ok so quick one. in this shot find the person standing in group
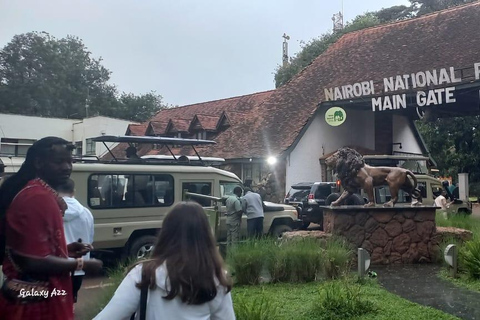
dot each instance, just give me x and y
(184, 278)
(37, 265)
(442, 203)
(253, 208)
(234, 216)
(78, 226)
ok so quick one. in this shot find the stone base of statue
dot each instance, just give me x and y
(391, 235)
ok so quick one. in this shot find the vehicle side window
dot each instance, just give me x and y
(200, 188)
(131, 190)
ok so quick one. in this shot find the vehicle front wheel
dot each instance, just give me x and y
(278, 231)
(142, 247)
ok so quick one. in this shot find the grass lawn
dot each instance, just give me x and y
(471, 223)
(297, 301)
(462, 281)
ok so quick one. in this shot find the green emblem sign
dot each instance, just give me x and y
(335, 116)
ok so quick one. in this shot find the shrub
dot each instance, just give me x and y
(246, 261)
(469, 258)
(278, 263)
(305, 257)
(341, 300)
(248, 308)
(336, 258)
(294, 260)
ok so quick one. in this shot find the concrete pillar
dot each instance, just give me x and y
(463, 186)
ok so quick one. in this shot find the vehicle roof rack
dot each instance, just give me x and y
(162, 141)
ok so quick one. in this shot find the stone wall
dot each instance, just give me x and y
(390, 235)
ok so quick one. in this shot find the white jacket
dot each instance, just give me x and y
(78, 224)
(126, 301)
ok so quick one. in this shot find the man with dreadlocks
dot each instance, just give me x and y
(37, 262)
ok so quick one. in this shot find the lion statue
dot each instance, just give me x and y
(353, 174)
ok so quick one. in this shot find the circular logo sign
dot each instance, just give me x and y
(335, 116)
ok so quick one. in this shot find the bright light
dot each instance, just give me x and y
(271, 160)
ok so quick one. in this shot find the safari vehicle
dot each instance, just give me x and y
(130, 198)
(429, 186)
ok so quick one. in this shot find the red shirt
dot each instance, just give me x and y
(34, 227)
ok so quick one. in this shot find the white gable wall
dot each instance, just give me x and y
(402, 133)
(303, 163)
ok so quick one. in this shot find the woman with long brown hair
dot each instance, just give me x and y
(185, 276)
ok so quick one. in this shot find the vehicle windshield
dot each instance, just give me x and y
(226, 188)
(298, 194)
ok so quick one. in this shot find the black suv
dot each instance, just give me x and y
(307, 197)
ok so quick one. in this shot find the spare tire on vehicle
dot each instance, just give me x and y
(331, 198)
(352, 200)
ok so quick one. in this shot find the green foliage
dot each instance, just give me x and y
(341, 300)
(246, 261)
(44, 76)
(298, 301)
(313, 48)
(316, 47)
(294, 261)
(469, 222)
(395, 13)
(258, 308)
(337, 257)
(462, 280)
(454, 143)
(469, 258)
(140, 108)
(429, 6)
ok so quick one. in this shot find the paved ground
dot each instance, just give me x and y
(89, 292)
(420, 283)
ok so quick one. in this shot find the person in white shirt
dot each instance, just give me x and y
(442, 203)
(185, 275)
(78, 226)
(253, 208)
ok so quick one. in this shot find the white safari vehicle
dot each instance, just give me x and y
(129, 198)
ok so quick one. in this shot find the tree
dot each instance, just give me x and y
(316, 47)
(312, 49)
(429, 6)
(140, 108)
(44, 76)
(454, 143)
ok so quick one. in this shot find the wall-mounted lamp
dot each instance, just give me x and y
(399, 144)
(271, 160)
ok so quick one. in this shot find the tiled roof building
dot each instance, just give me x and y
(289, 122)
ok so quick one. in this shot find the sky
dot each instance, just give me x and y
(188, 51)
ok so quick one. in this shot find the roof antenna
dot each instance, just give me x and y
(285, 49)
(338, 20)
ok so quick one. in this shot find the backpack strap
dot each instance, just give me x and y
(143, 301)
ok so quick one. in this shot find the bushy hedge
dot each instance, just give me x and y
(301, 260)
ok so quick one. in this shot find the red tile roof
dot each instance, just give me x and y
(157, 127)
(136, 129)
(270, 122)
(233, 140)
(178, 125)
(207, 122)
(448, 38)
